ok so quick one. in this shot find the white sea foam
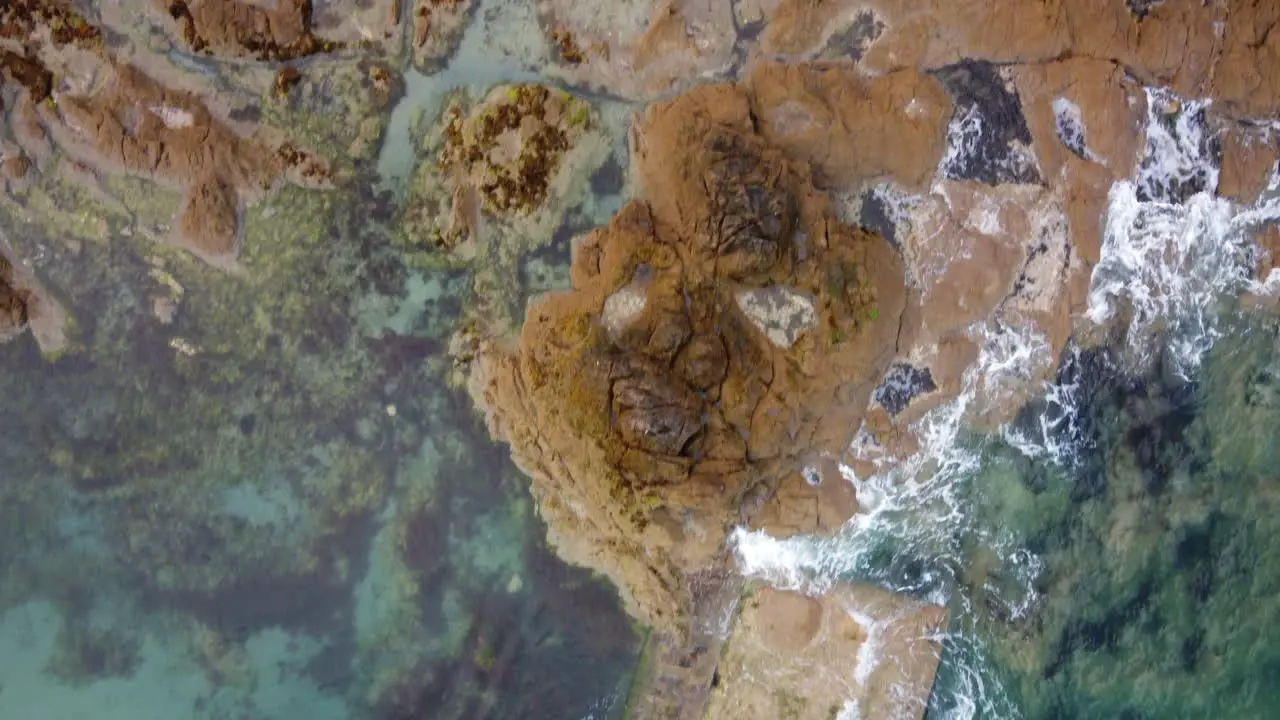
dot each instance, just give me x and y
(1069, 122)
(1057, 434)
(1172, 252)
(964, 132)
(918, 509)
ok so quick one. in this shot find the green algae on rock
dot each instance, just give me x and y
(513, 155)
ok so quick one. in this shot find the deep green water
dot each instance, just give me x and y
(1160, 544)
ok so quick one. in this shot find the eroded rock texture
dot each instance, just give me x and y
(112, 116)
(652, 405)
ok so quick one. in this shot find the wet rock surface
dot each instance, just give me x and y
(813, 250)
(112, 115)
(776, 663)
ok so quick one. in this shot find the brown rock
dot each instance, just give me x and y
(647, 402)
(788, 621)
(276, 31)
(25, 20)
(639, 48)
(286, 79)
(793, 656)
(13, 302)
(509, 147)
(1086, 119)
(799, 28)
(207, 222)
(1224, 50)
(1249, 156)
(438, 26)
(16, 167)
(129, 123)
(838, 120)
(28, 73)
(24, 304)
(799, 507)
(1268, 239)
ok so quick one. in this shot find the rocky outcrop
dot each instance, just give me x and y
(723, 334)
(638, 48)
(275, 31)
(856, 651)
(513, 157)
(1196, 48)
(112, 117)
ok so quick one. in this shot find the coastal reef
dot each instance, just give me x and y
(73, 103)
(26, 305)
(723, 332)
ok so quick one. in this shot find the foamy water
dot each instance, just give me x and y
(1172, 251)
(1173, 256)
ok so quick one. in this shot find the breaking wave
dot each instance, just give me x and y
(1172, 251)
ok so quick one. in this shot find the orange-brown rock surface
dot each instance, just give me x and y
(856, 651)
(723, 333)
(1220, 49)
(266, 31)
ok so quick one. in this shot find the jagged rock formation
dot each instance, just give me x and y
(724, 331)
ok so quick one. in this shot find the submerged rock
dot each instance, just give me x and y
(511, 158)
(13, 303)
(649, 407)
